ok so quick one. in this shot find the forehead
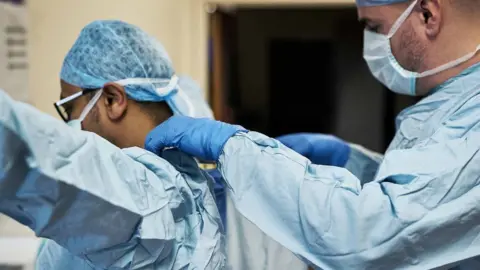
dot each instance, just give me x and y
(381, 14)
(68, 89)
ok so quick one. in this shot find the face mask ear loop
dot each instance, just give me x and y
(401, 19)
(90, 105)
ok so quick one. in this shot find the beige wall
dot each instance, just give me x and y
(181, 25)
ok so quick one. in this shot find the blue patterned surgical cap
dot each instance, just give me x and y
(109, 51)
(371, 3)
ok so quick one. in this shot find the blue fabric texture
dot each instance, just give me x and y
(419, 211)
(108, 51)
(320, 149)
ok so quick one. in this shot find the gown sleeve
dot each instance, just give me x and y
(81, 191)
(420, 212)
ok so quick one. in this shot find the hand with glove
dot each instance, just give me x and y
(200, 137)
(318, 148)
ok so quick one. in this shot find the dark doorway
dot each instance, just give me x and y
(301, 84)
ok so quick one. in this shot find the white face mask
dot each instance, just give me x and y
(77, 123)
(377, 52)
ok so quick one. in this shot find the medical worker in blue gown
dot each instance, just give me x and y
(103, 207)
(415, 207)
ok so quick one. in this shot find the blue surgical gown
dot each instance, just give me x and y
(417, 207)
(103, 207)
(247, 246)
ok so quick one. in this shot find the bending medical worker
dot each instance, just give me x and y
(418, 209)
(99, 206)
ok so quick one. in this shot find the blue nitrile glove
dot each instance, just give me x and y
(318, 148)
(200, 137)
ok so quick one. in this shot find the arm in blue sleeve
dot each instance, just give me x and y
(79, 190)
(420, 212)
(322, 149)
(319, 148)
(363, 163)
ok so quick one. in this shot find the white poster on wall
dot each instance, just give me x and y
(14, 49)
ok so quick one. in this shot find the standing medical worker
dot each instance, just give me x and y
(420, 209)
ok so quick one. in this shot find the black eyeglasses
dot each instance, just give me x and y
(59, 105)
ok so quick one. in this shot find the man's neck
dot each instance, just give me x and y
(429, 83)
(135, 133)
(136, 128)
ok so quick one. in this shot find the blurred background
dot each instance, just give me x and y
(274, 66)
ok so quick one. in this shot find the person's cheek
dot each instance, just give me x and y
(74, 113)
(395, 45)
(91, 121)
(87, 125)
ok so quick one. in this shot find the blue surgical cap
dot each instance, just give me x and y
(371, 3)
(110, 51)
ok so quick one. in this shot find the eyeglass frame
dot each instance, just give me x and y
(59, 103)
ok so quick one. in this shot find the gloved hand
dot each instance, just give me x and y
(318, 148)
(200, 137)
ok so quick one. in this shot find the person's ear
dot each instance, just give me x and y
(431, 16)
(116, 102)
